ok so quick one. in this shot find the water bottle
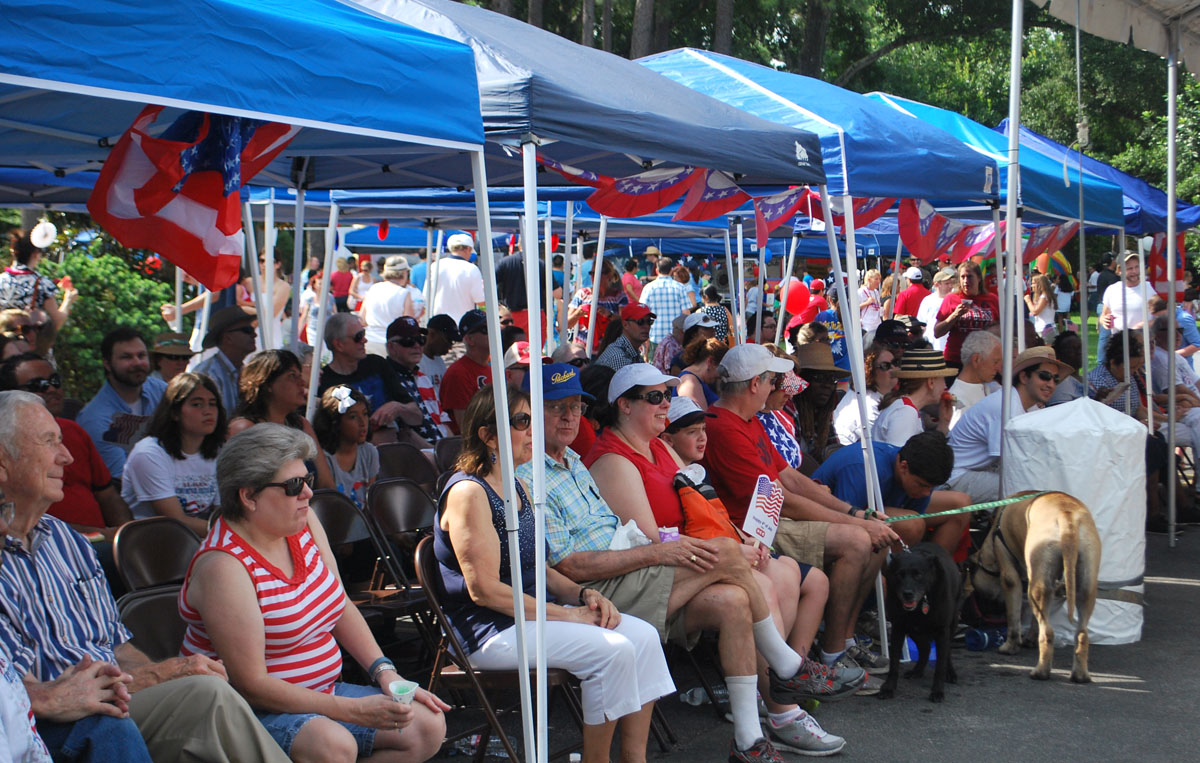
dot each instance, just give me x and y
(984, 639)
(694, 697)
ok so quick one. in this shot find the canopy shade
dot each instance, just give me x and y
(1145, 205)
(56, 59)
(1143, 22)
(600, 112)
(1042, 193)
(867, 149)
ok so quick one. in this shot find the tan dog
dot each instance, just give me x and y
(1051, 541)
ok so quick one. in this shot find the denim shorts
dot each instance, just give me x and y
(283, 727)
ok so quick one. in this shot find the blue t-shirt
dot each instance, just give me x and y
(1191, 335)
(845, 475)
(416, 275)
(837, 337)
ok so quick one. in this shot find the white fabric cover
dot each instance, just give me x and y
(1096, 454)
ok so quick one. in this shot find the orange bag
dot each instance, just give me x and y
(704, 518)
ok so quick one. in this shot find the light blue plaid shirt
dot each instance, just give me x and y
(577, 518)
(667, 299)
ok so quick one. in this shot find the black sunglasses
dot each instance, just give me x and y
(41, 385)
(647, 321)
(520, 421)
(578, 362)
(408, 341)
(293, 486)
(884, 365)
(1047, 376)
(653, 397)
(32, 328)
(360, 337)
(245, 330)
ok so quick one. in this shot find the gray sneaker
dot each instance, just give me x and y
(805, 736)
(871, 686)
(865, 658)
(815, 681)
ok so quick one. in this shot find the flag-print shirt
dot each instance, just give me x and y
(434, 425)
(18, 733)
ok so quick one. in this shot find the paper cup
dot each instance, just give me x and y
(403, 691)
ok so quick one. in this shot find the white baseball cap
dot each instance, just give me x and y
(699, 318)
(460, 239)
(638, 375)
(684, 412)
(746, 361)
(914, 274)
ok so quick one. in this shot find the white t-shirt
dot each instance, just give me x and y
(385, 302)
(459, 286)
(435, 369)
(845, 416)
(1064, 299)
(1045, 317)
(1094, 280)
(1134, 312)
(871, 317)
(151, 474)
(896, 423)
(968, 394)
(976, 438)
(927, 314)
(418, 301)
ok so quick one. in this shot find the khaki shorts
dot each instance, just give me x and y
(803, 541)
(644, 593)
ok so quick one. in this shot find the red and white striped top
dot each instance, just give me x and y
(299, 612)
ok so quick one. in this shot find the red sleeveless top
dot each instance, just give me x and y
(657, 477)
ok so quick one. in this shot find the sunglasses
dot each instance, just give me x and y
(42, 384)
(647, 321)
(32, 328)
(884, 365)
(293, 486)
(244, 330)
(578, 362)
(359, 337)
(520, 421)
(654, 397)
(1047, 376)
(408, 341)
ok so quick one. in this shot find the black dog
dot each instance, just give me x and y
(923, 587)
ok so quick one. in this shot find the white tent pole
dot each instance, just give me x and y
(538, 486)
(487, 263)
(891, 311)
(255, 276)
(599, 269)
(548, 265)
(428, 271)
(431, 272)
(1147, 348)
(579, 260)
(568, 269)
(298, 270)
(1011, 216)
(732, 283)
(177, 324)
(785, 278)
(322, 316)
(270, 340)
(1171, 254)
(205, 312)
(1124, 311)
(762, 294)
(739, 317)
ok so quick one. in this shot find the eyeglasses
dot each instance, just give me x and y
(1047, 376)
(558, 408)
(884, 365)
(408, 341)
(42, 384)
(654, 397)
(293, 486)
(520, 421)
(359, 337)
(647, 321)
(578, 362)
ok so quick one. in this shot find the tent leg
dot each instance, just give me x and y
(322, 316)
(785, 278)
(1171, 255)
(298, 270)
(596, 277)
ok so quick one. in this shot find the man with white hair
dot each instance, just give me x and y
(386, 301)
(96, 697)
(458, 284)
(982, 358)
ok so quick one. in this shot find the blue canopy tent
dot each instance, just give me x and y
(1145, 206)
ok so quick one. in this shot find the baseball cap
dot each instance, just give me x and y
(945, 274)
(559, 380)
(637, 375)
(634, 310)
(517, 354)
(685, 412)
(445, 324)
(460, 239)
(746, 361)
(170, 343)
(914, 274)
(472, 321)
(223, 320)
(404, 327)
(702, 319)
(913, 325)
(892, 332)
(816, 285)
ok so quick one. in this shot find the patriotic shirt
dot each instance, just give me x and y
(18, 733)
(420, 388)
(612, 303)
(24, 289)
(299, 612)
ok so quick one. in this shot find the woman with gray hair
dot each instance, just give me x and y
(263, 595)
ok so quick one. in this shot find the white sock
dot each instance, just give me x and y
(850, 642)
(786, 717)
(743, 704)
(829, 659)
(781, 657)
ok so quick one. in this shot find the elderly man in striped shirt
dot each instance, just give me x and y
(96, 697)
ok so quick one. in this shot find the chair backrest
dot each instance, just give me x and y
(402, 459)
(153, 552)
(430, 578)
(400, 506)
(152, 616)
(339, 517)
(445, 452)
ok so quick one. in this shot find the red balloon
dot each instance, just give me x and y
(553, 242)
(383, 230)
(796, 296)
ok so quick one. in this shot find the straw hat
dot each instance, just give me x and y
(923, 363)
(1035, 356)
(818, 356)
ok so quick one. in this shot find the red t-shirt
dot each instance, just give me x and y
(339, 283)
(585, 439)
(658, 476)
(463, 379)
(87, 473)
(984, 312)
(909, 300)
(744, 452)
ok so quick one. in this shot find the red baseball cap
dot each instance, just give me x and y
(634, 310)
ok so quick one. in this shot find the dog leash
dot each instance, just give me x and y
(971, 508)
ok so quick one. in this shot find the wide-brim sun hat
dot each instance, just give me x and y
(923, 363)
(1035, 356)
(818, 356)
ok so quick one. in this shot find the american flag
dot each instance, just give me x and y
(867, 209)
(925, 232)
(974, 240)
(1156, 266)
(768, 497)
(712, 196)
(574, 174)
(1048, 238)
(772, 211)
(646, 192)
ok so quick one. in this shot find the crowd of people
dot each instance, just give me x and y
(643, 518)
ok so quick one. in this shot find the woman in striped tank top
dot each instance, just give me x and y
(263, 595)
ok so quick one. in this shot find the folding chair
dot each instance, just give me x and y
(445, 452)
(153, 552)
(401, 459)
(452, 669)
(401, 511)
(152, 616)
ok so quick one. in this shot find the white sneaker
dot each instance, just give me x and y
(805, 736)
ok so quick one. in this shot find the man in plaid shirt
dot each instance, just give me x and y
(666, 298)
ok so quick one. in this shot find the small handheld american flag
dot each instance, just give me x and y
(762, 516)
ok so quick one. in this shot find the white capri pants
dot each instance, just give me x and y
(620, 670)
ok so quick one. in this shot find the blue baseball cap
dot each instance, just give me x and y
(559, 380)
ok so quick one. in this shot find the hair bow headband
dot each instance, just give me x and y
(343, 395)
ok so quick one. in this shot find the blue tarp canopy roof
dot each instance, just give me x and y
(598, 111)
(1043, 196)
(1145, 205)
(73, 77)
(867, 149)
